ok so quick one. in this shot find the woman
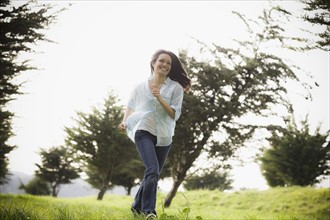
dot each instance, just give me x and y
(149, 120)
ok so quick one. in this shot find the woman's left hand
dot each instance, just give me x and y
(122, 127)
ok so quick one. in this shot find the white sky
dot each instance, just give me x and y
(103, 45)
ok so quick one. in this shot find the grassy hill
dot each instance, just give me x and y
(294, 203)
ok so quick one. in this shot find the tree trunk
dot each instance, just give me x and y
(101, 193)
(103, 190)
(129, 190)
(171, 194)
(55, 190)
(105, 185)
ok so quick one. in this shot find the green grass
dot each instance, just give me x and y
(294, 203)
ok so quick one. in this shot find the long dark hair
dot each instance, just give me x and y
(177, 72)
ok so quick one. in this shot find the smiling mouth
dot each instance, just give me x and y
(164, 69)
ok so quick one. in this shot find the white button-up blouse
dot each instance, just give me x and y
(145, 105)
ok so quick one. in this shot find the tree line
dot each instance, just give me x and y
(232, 83)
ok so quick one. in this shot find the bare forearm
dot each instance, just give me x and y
(156, 93)
(122, 125)
(127, 113)
(170, 111)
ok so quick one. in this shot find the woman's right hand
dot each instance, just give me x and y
(122, 126)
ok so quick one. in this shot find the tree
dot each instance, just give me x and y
(129, 175)
(37, 186)
(317, 13)
(210, 181)
(296, 157)
(233, 84)
(57, 168)
(320, 10)
(20, 28)
(100, 148)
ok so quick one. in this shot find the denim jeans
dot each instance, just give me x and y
(153, 159)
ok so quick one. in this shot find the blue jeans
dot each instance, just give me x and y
(153, 159)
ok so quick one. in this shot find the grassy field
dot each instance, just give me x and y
(279, 203)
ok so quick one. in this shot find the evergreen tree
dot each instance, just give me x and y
(37, 186)
(318, 12)
(296, 157)
(210, 181)
(129, 175)
(20, 28)
(230, 85)
(100, 148)
(56, 168)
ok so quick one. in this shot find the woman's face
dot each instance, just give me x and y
(162, 65)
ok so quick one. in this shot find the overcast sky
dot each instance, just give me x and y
(103, 45)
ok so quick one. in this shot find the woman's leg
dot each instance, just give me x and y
(145, 199)
(162, 153)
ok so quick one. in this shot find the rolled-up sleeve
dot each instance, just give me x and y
(176, 101)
